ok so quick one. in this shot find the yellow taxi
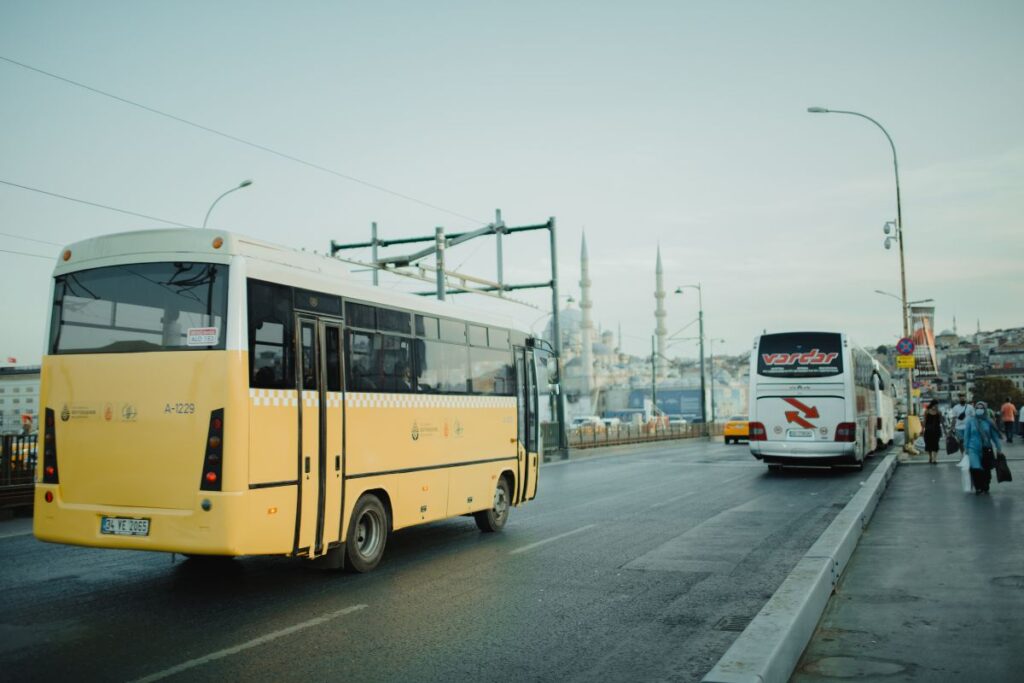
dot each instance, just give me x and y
(738, 427)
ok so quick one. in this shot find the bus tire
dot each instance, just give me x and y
(494, 519)
(367, 534)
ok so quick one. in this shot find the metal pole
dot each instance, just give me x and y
(703, 395)
(563, 446)
(373, 252)
(243, 184)
(899, 232)
(439, 244)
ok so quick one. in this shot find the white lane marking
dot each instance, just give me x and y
(553, 538)
(13, 534)
(220, 654)
(669, 501)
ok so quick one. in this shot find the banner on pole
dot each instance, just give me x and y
(922, 331)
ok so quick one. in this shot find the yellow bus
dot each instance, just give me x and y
(213, 395)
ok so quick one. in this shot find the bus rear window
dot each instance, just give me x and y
(800, 354)
(140, 307)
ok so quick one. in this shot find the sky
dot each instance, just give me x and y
(679, 124)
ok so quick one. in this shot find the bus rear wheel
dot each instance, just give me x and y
(494, 519)
(367, 534)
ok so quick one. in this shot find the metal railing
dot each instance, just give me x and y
(597, 436)
(18, 456)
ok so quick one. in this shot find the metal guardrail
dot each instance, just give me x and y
(597, 436)
(18, 455)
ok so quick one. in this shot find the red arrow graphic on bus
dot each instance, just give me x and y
(794, 415)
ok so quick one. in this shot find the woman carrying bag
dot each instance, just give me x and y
(981, 435)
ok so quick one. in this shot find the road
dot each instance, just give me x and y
(639, 563)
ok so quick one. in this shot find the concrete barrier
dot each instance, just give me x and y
(769, 648)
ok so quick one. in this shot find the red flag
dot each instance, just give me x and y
(12, 359)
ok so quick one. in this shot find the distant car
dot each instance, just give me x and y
(677, 420)
(611, 421)
(738, 427)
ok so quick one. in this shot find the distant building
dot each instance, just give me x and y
(19, 398)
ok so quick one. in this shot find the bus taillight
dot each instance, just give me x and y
(758, 432)
(50, 473)
(846, 431)
(214, 460)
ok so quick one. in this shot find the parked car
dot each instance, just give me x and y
(736, 428)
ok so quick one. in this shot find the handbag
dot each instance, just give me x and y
(952, 445)
(988, 458)
(1002, 469)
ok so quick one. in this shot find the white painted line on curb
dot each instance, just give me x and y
(768, 650)
(220, 654)
(553, 538)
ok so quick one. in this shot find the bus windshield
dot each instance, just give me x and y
(175, 306)
(800, 354)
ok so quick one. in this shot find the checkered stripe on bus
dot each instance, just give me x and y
(366, 400)
(288, 398)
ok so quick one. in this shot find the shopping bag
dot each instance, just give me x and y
(965, 474)
(952, 445)
(988, 458)
(1002, 469)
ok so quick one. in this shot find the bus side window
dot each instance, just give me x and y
(270, 336)
(362, 358)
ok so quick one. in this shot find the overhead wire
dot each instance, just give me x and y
(235, 138)
(96, 204)
(30, 239)
(25, 253)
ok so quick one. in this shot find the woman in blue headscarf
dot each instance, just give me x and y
(980, 433)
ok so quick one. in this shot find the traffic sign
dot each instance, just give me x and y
(905, 347)
(905, 362)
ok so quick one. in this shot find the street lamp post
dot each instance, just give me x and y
(899, 236)
(244, 183)
(700, 319)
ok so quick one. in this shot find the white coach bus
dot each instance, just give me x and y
(812, 400)
(885, 400)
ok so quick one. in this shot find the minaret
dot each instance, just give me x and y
(659, 315)
(587, 326)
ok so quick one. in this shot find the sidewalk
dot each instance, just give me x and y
(935, 590)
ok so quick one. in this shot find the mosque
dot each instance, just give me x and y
(601, 379)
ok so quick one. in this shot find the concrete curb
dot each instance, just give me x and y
(769, 648)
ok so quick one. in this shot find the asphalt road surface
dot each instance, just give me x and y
(639, 563)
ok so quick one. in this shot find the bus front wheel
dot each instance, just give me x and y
(367, 534)
(495, 518)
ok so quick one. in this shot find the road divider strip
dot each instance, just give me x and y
(549, 540)
(770, 647)
(255, 642)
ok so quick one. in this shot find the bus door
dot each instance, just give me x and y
(526, 418)
(320, 435)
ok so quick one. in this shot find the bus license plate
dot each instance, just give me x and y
(120, 526)
(801, 433)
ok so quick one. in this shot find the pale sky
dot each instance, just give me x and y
(679, 123)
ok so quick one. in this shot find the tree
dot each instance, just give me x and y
(994, 390)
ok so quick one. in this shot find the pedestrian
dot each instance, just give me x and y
(959, 416)
(1009, 415)
(980, 433)
(1020, 423)
(932, 431)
